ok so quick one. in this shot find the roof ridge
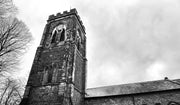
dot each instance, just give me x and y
(135, 83)
(173, 81)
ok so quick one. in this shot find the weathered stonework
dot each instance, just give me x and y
(150, 98)
(161, 92)
(57, 74)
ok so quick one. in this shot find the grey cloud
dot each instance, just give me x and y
(124, 41)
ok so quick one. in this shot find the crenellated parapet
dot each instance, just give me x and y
(67, 13)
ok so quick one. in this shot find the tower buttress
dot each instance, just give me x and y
(58, 73)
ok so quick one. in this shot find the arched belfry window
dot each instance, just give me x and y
(59, 34)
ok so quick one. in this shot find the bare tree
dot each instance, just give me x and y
(14, 38)
(11, 92)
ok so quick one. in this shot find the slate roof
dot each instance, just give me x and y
(133, 88)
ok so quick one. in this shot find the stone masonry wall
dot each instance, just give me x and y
(156, 98)
(79, 82)
(58, 62)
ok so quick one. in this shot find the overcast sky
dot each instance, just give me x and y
(127, 40)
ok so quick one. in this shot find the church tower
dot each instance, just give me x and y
(58, 73)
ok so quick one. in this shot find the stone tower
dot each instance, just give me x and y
(58, 73)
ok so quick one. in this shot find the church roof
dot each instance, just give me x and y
(133, 88)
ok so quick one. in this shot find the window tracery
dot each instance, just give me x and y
(58, 34)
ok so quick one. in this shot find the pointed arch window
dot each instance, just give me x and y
(58, 34)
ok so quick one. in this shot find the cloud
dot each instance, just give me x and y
(131, 41)
(127, 40)
(156, 70)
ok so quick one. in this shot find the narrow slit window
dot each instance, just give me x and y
(78, 45)
(49, 76)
